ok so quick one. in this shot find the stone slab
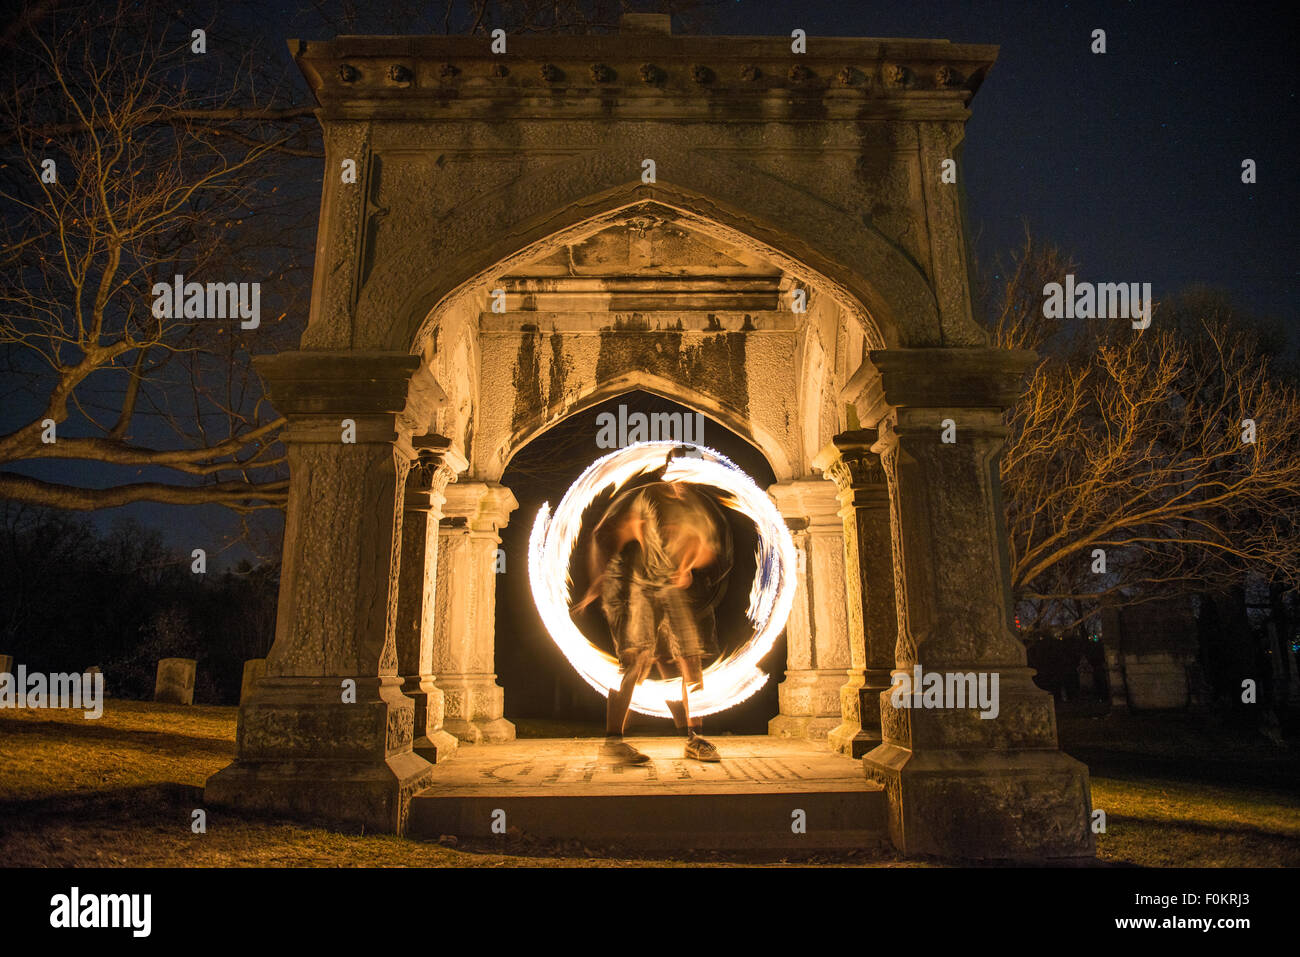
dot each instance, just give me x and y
(6, 664)
(175, 681)
(562, 789)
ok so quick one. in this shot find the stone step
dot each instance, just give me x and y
(560, 790)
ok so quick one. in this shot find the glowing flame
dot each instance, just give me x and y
(727, 681)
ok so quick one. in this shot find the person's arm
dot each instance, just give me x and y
(697, 554)
(607, 540)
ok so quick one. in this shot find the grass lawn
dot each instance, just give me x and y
(120, 791)
(1189, 791)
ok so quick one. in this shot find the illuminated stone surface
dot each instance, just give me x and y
(817, 638)
(435, 466)
(561, 789)
(465, 614)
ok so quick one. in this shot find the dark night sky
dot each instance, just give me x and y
(1130, 160)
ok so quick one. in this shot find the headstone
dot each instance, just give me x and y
(1085, 677)
(254, 671)
(1157, 650)
(6, 664)
(175, 681)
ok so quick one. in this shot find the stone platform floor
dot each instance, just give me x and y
(765, 793)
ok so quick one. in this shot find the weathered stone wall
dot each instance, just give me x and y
(533, 378)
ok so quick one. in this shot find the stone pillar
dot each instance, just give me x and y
(436, 464)
(960, 784)
(465, 616)
(859, 477)
(327, 732)
(817, 632)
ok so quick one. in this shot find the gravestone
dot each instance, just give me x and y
(175, 681)
(254, 671)
(1151, 649)
(1085, 678)
(6, 664)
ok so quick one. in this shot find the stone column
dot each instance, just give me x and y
(816, 634)
(859, 477)
(961, 784)
(465, 632)
(436, 464)
(327, 732)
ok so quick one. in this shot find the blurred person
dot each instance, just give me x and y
(658, 561)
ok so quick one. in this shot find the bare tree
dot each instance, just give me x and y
(127, 158)
(1144, 464)
(125, 166)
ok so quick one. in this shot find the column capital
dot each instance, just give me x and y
(388, 395)
(813, 499)
(483, 506)
(943, 378)
(435, 466)
(852, 462)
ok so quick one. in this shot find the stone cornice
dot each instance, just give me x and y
(952, 378)
(974, 378)
(304, 383)
(387, 77)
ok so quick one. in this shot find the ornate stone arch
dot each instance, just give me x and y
(800, 231)
(466, 164)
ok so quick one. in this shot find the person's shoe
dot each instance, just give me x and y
(701, 750)
(619, 751)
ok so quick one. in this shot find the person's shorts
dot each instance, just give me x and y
(656, 623)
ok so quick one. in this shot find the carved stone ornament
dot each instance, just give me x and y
(947, 76)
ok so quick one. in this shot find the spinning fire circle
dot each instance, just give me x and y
(728, 680)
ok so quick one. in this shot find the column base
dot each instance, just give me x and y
(489, 731)
(435, 747)
(432, 741)
(963, 786)
(1020, 805)
(851, 740)
(860, 696)
(474, 709)
(305, 753)
(808, 727)
(810, 705)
